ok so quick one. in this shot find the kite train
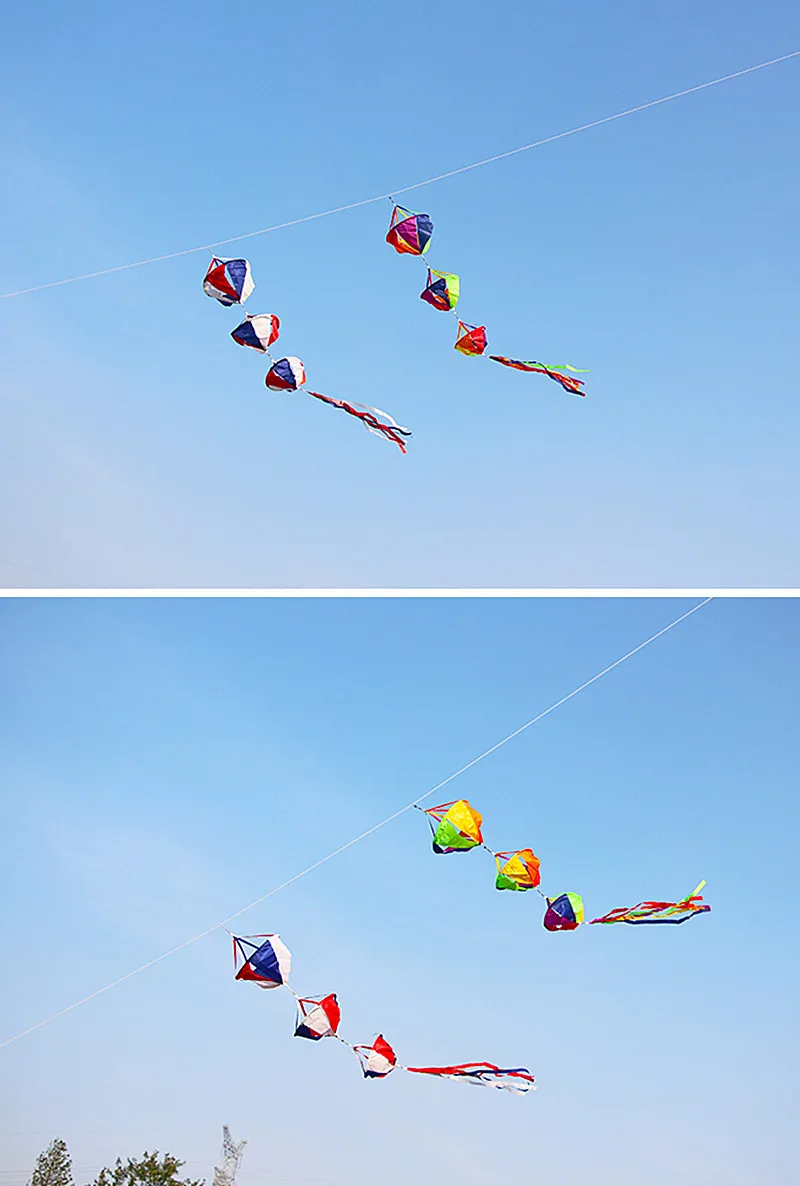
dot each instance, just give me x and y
(230, 282)
(410, 234)
(266, 961)
(457, 827)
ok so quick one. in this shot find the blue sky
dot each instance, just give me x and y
(139, 446)
(166, 762)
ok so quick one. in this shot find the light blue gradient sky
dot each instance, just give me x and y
(164, 763)
(139, 446)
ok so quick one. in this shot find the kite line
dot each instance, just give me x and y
(596, 123)
(222, 925)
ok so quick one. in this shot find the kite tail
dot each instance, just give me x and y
(370, 418)
(573, 386)
(658, 912)
(567, 382)
(517, 1079)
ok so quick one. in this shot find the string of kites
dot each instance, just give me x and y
(230, 282)
(457, 827)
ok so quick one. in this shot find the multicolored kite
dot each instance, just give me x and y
(441, 292)
(456, 826)
(409, 233)
(564, 913)
(228, 281)
(517, 870)
(471, 339)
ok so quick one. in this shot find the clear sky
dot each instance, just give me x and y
(139, 445)
(164, 763)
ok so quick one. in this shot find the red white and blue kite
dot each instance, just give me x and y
(264, 960)
(230, 282)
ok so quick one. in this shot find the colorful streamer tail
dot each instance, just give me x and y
(652, 913)
(573, 386)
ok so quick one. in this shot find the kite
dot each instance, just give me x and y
(442, 292)
(265, 961)
(317, 1017)
(564, 913)
(539, 368)
(378, 1060)
(486, 1074)
(228, 281)
(471, 339)
(410, 234)
(649, 913)
(456, 826)
(259, 331)
(517, 870)
(287, 374)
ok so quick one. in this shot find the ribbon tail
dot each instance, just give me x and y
(387, 427)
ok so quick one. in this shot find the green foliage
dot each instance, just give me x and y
(149, 1170)
(53, 1166)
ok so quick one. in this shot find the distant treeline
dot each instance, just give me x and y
(54, 1168)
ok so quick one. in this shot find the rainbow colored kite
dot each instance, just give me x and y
(517, 870)
(410, 233)
(470, 339)
(564, 913)
(457, 827)
(442, 291)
